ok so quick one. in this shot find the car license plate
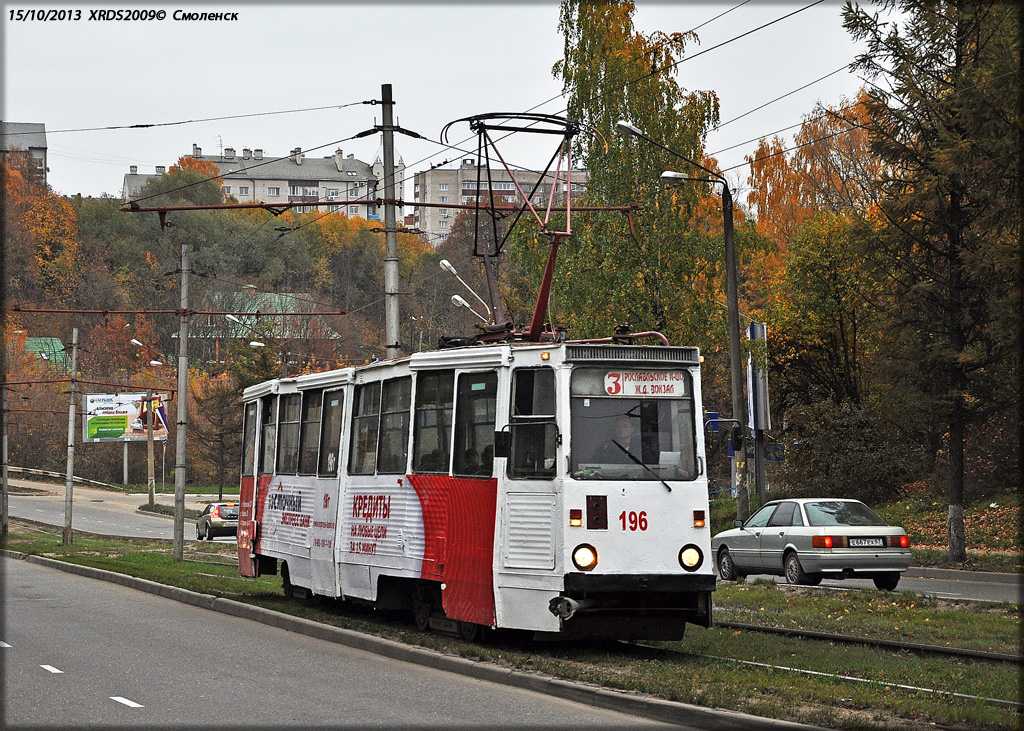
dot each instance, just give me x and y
(866, 542)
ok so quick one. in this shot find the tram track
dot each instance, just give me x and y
(895, 645)
(653, 651)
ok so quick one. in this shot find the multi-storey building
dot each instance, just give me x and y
(460, 186)
(29, 137)
(350, 185)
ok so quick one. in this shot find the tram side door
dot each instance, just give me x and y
(323, 531)
(247, 491)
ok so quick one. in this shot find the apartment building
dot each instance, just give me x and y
(29, 137)
(350, 185)
(459, 186)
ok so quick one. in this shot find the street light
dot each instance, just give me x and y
(739, 405)
(447, 266)
(460, 302)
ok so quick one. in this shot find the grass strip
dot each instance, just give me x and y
(698, 675)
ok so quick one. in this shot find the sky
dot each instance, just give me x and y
(444, 61)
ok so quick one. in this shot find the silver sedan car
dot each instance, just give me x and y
(808, 539)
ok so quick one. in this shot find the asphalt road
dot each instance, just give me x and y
(112, 513)
(101, 511)
(82, 652)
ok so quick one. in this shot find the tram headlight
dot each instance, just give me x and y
(691, 557)
(584, 557)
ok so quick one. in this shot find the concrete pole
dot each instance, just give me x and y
(124, 464)
(179, 445)
(67, 538)
(739, 404)
(391, 331)
(150, 458)
(4, 514)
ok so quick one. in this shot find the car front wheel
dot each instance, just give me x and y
(209, 533)
(727, 567)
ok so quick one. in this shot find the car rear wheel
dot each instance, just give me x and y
(887, 581)
(795, 572)
(727, 567)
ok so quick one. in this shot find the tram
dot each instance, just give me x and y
(509, 480)
(558, 488)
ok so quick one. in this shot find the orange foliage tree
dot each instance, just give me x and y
(40, 238)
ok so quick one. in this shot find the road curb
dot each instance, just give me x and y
(992, 577)
(635, 705)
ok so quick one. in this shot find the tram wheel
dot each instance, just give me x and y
(286, 582)
(422, 606)
(469, 631)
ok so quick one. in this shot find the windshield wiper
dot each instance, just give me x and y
(635, 460)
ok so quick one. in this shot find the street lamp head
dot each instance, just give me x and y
(155, 363)
(136, 342)
(256, 344)
(625, 128)
(447, 266)
(457, 300)
(232, 318)
(673, 175)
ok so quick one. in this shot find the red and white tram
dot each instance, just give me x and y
(557, 488)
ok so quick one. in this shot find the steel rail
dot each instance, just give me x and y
(996, 702)
(880, 643)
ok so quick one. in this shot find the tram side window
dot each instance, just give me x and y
(288, 434)
(474, 424)
(249, 441)
(533, 427)
(432, 427)
(393, 445)
(365, 420)
(330, 433)
(269, 435)
(309, 433)
(533, 392)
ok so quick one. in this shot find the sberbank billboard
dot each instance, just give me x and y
(122, 417)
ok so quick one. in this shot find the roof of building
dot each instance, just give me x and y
(284, 168)
(48, 349)
(254, 301)
(23, 135)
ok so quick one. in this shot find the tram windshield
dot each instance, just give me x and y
(632, 425)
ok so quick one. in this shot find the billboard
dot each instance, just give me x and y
(121, 417)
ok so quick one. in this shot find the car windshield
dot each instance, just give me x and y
(632, 425)
(229, 512)
(841, 512)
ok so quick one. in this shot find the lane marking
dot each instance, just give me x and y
(125, 701)
(52, 669)
(4, 644)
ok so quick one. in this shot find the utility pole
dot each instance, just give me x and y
(4, 520)
(68, 537)
(760, 413)
(179, 444)
(391, 331)
(739, 404)
(150, 476)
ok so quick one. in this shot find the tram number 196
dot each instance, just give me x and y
(633, 521)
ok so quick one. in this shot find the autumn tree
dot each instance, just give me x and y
(658, 272)
(942, 106)
(40, 235)
(216, 427)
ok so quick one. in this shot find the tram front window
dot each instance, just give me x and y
(632, 425)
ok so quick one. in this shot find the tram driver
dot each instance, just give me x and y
(623, 443)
